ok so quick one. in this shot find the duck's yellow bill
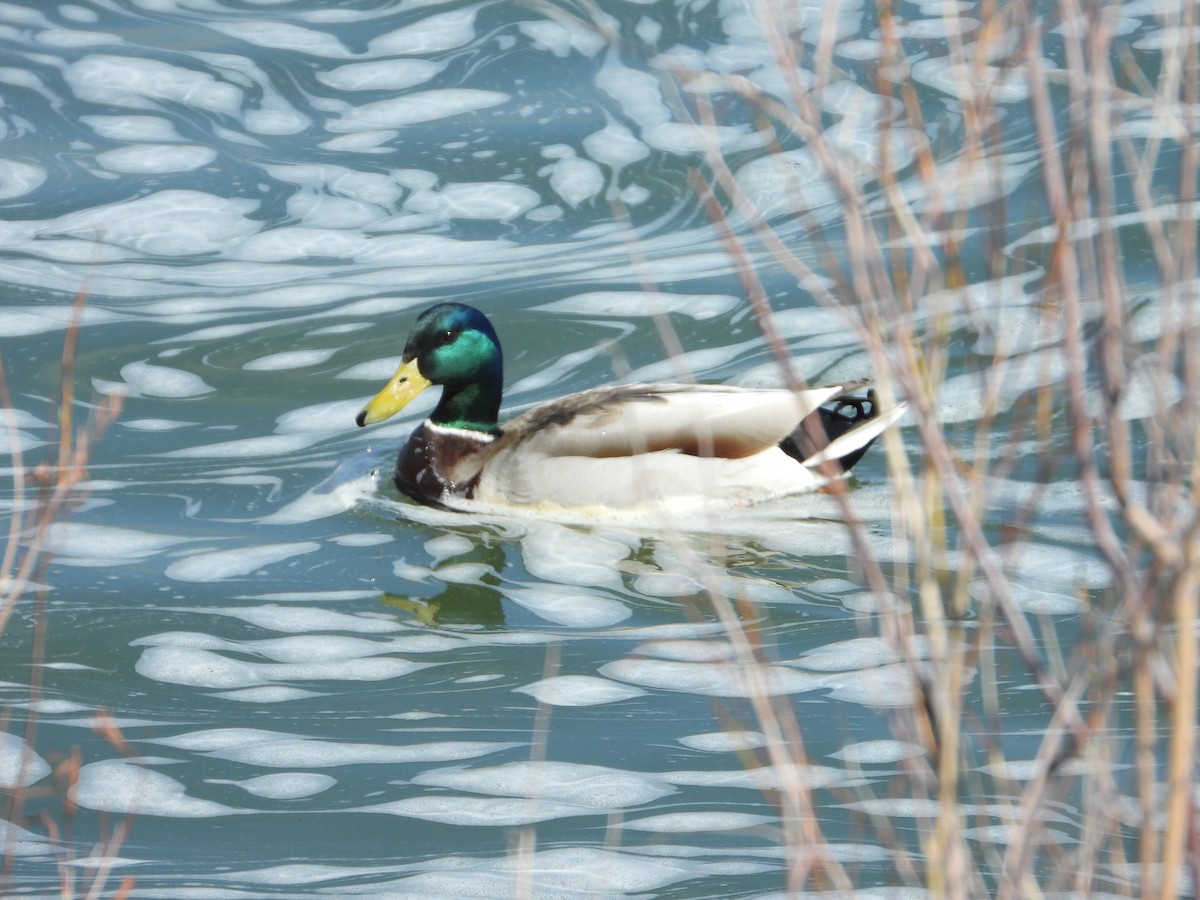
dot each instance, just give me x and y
(397, 394)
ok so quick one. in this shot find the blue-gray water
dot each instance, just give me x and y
(329, 692)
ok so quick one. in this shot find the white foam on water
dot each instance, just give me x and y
(757, 590)
(148, 380)
(448, 545)
(557, 371)
(313, 647)
(361, 142)
(578, 690)
(268, 445)
(138, 82)
(1149, 392)
(869, 604)
(133, 128)
(636, 304)
(415, 109)
(724, 741)
(271, 693)
(300, 242)
(326, 181)
(21, 418)
(574, 179)
(20, 322)
(155, 159)
(314, 210)
(335, 415)
(283, 36)
(858, 653)
(72, 38)
(688, 650)
(308, 596)
(375, 191)
(479, 811)
(205, 669)
(1063, 498)
(60, 707)
(576, 609)
(10, 12)
(663, 584)
(785, 184)
(293, 619)
(285, 785)
(695, 822)
(682, 139)
(121, 786)
(762, 778)
(19, 765)
(19, 178)
(293, 874)
(679, 367)
(1015, 834)
(381, 75)
(362, 540)
(432, 34)
(379, 370)
(479, 679)
(172, 222)
(711, 679)
(344, 328)
(1002, 312)
(565, 872)
(1026, 769)
(220, 565)
(562, 36)
(105, 542)
(496, 201)
(307, 753)
(897, 807)
(1159, 313)
(25, 79)
(805, 539)
(23, 842)
(416, 716)
(978, 84)
(877, 752)
(638, 93)
(859, 139)
(883, 686)
(464, 573)
(828, 586)
(1035, 600)
(220, 738)
(615, 146)
(647, 30)
(331, 497)
(1049, 565)
(575, 784)
(563, 555)
(289, 359)
(19, 442)
(967, 183)
(280, 750)
(78, 13)
(154, 424)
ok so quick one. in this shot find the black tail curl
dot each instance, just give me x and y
(827, 424)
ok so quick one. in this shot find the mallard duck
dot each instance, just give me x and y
(611, 447)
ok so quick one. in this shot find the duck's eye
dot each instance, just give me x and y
(446, 337)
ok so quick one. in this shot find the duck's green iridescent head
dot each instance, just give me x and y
(453, 345)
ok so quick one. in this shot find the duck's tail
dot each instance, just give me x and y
(841, 431)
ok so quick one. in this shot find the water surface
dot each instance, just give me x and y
(326, 691)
